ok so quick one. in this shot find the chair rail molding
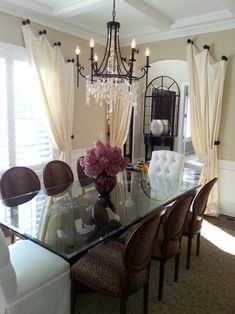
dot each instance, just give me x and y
(226, 176)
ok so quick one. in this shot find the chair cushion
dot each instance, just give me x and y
(102, 269)
(7, 273)
(35, 263)
(4, 256)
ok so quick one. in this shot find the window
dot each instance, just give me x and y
(23, 137)
(187, 128)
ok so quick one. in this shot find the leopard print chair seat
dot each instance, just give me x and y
(119, 269)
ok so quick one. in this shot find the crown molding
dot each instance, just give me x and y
(220, 21)
(183, 32)
(78, 31)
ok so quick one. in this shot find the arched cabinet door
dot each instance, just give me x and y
(161, 113)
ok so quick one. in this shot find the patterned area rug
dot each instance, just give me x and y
(207, 288)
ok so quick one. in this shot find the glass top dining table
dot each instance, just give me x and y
(69, 220)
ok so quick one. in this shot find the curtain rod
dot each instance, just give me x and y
(224, 58)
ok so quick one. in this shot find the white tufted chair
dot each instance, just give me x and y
(166, 163)
(32, 280)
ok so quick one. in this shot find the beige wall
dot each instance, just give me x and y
(89, 122)
(221, 43)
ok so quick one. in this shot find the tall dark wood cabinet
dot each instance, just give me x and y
(161, 105)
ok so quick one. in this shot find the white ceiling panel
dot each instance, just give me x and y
(144, 20)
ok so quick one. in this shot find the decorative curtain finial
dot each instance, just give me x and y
(27, 21)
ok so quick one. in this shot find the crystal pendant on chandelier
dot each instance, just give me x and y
(107, 91)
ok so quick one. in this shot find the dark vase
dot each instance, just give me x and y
(104, 184)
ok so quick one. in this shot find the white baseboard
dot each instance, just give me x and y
(226, 183)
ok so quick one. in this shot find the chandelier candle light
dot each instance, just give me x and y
(113, 77)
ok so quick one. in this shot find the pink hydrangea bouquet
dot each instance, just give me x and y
(103, 158)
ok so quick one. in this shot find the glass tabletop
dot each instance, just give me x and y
(69, 219)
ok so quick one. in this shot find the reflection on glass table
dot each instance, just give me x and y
(160, 187)
(68, 221)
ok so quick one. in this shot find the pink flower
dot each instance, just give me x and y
(103, 158)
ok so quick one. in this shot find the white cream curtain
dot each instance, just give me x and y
(56, 81)
(206, 81)
(120, 121)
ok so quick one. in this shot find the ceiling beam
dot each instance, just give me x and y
(72, 8)
(30, 5)
(230, 5)
(156, 18)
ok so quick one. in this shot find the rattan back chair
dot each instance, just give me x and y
(57, 177)
(82, 177)
(18, 185)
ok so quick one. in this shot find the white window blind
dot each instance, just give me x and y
(23, 136)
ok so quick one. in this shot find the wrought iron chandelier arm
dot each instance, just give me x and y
(80, 69)
(103, 65)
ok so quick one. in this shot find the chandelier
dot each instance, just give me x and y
(114, 76)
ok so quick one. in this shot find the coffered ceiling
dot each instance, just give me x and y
(144, 20)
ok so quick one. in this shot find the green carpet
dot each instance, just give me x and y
(207, 288)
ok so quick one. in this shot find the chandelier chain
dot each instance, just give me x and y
(114, 11)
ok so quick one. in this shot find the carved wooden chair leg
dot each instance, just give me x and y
(146, 293)
(177, 260)
(161, 279)
(123, 305)
(198, 243)
(189, 249)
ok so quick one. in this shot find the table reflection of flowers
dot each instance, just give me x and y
(103, 162)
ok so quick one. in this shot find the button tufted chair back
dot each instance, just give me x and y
(166, 163)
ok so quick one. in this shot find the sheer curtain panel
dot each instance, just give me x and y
(120, 120)
(56, 81)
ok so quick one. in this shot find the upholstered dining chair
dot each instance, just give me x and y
(193, 223)
(86, 183)
(168, 239)
(32, 279)
(18, 185)
(57, 177)
(119, 269)
(82, 177)
(166, 163)
(18, 181)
